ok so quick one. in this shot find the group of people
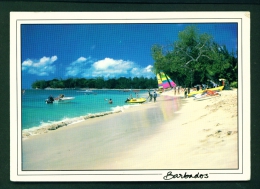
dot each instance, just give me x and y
(152, 96)
(177, 90)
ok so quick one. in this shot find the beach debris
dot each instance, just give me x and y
(26, 134)
(229, 132)
(53, 127)
(92, 116)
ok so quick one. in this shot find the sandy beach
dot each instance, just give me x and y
(172, 133)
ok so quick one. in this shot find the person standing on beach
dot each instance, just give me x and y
(185, 93)
(154, 96)
(150, 96)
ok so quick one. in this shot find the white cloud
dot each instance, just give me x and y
(81, 59)
(146, 72)
(41, 67)
(108, 67)
(78, 66)
(148, 69)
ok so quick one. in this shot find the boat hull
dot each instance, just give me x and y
(136, 100)
(201, 91)
(64, 100)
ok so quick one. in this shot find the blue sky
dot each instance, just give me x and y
(110, 50)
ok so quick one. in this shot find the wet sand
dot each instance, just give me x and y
(172, 133)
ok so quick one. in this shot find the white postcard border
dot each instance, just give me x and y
(18, 18)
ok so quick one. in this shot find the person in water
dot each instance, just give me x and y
(127, 100)
(50, 99)
(110, 101)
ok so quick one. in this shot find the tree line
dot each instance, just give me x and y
(192, 59)
(195, 59)
(99, 83)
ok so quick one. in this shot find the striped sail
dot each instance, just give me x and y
(172, 84)
(165, 81)
(160, 86)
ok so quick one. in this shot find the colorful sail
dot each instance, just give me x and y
(160, 86)
(165, 81)
(172, 84)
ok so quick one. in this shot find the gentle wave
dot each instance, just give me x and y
(45, 127)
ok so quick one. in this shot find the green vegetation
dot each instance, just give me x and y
(234, 84)
(194, 59)
(99, 83)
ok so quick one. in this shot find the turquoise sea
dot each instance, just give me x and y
(36, 113)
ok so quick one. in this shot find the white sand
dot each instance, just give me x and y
(206, 138)
(202, 135)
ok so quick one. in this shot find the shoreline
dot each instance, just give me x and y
(43, 129)
(203, 134)
(54, 125)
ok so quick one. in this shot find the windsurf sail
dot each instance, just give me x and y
(164, 81)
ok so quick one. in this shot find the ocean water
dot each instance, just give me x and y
(36, 113)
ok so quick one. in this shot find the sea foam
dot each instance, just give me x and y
(54, 125)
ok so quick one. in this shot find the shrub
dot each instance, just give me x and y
(234, 84)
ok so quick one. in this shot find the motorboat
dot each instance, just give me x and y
(136, 100)
(60, 99)
(64, 99)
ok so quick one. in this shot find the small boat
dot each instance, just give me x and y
(206, 95)
(136, 100)
(85, 91)
(60, 99)
(202, 91)
(64, 99)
